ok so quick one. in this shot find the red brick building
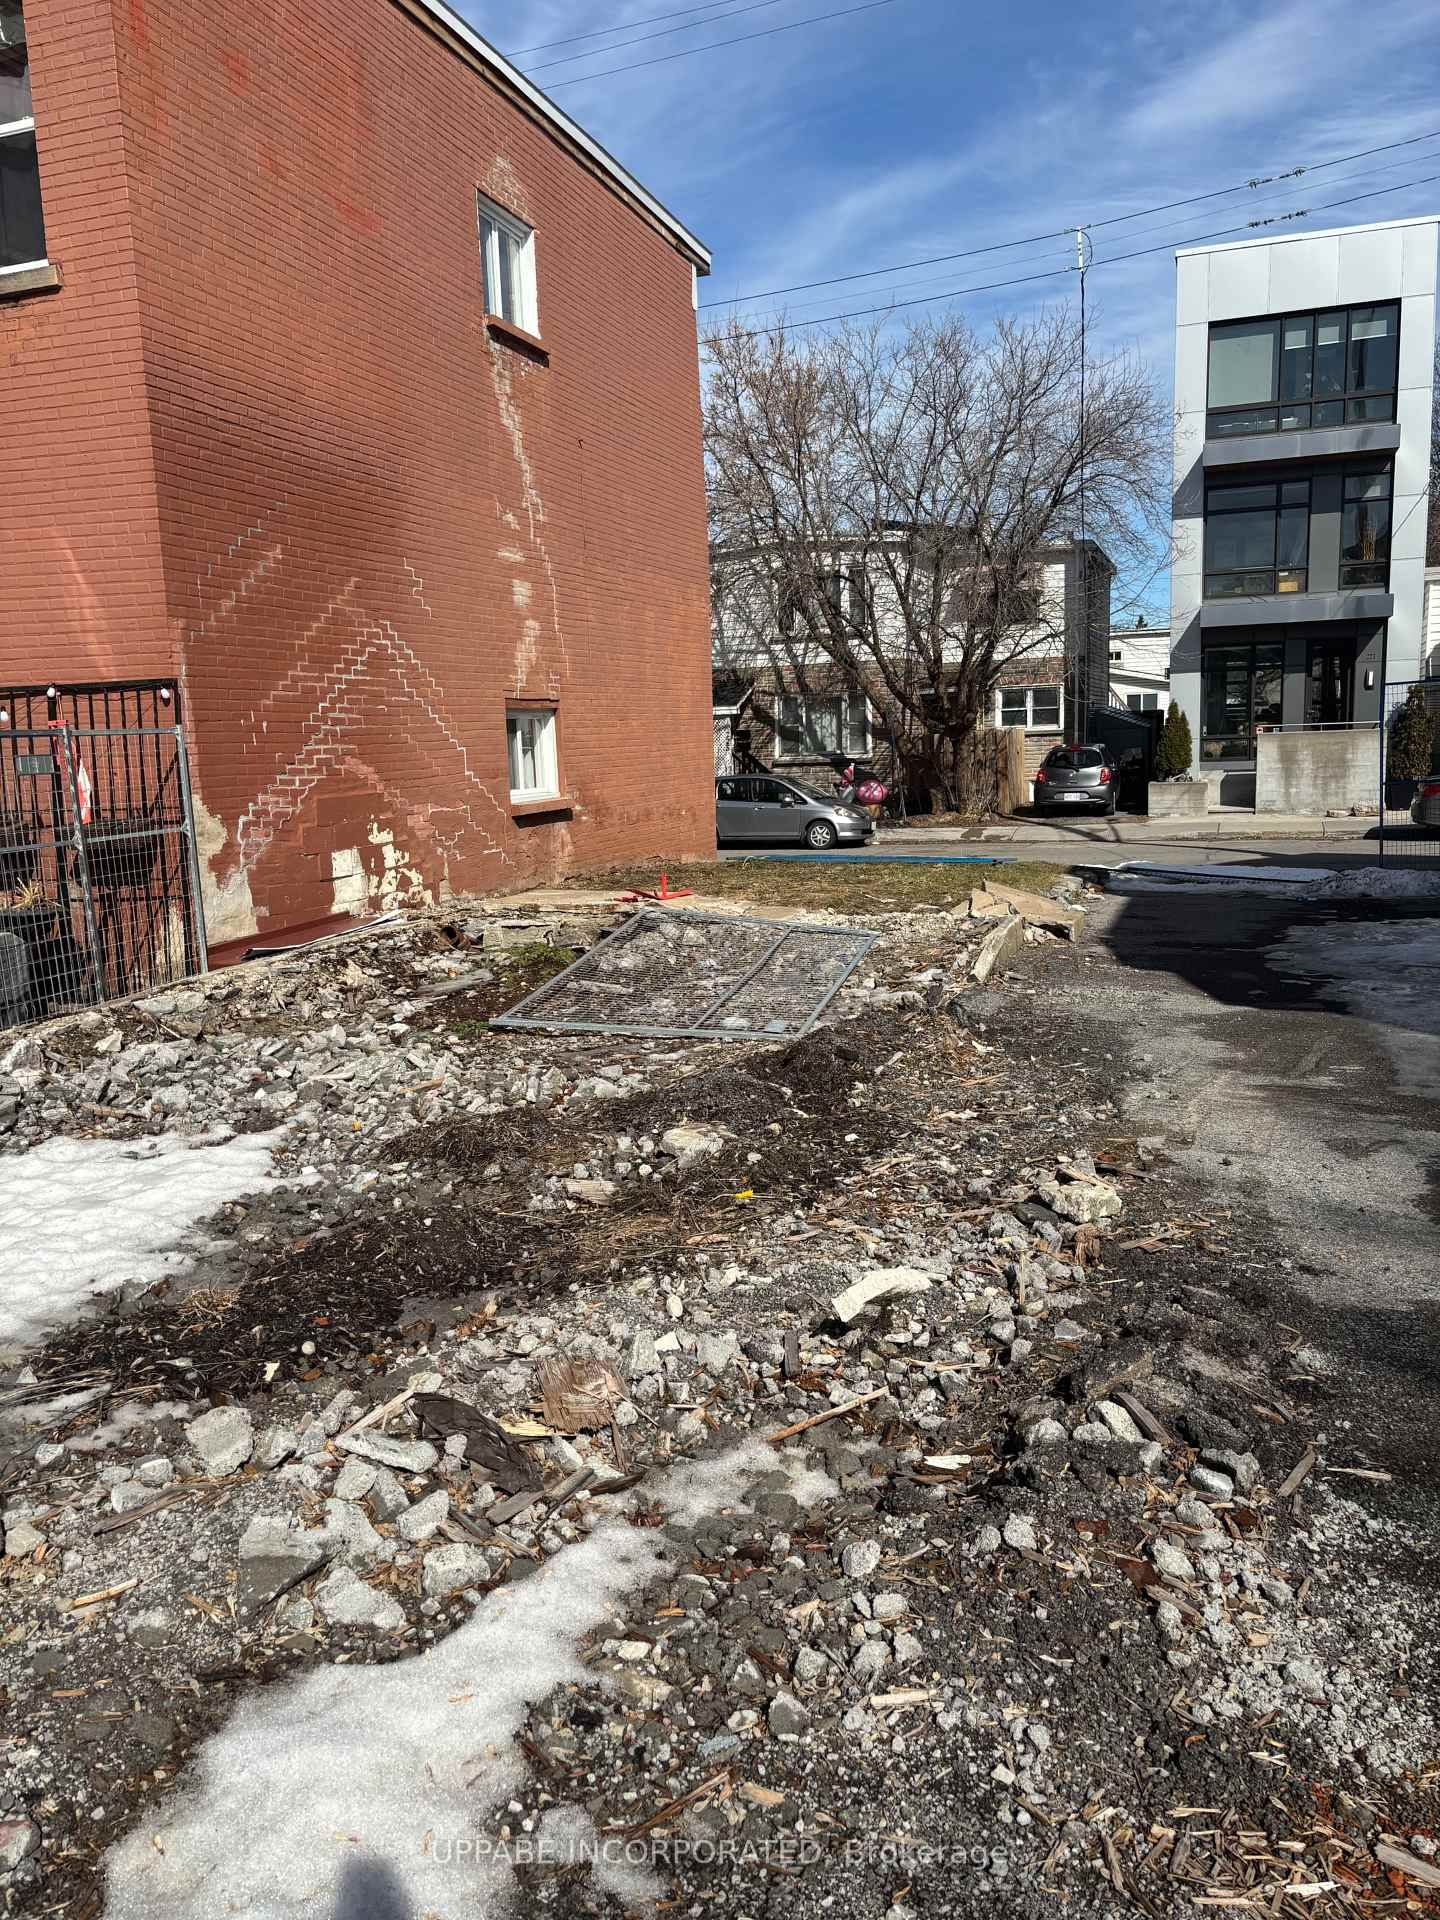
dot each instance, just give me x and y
(347, 385)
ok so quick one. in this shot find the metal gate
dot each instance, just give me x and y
(1410, 774)
(99, 876)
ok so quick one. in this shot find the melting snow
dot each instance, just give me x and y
(380, 1777)
(80, 1218)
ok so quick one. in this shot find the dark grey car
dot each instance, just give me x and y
(758, 807)
(1073, 777)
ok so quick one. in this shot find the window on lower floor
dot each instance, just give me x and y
(22, 224)
(1365, 530)
(534, 769)
(1241, 691)
(507, 261)
(1037, 708)
(813, 726)
(1257, 538)
(1142, 702)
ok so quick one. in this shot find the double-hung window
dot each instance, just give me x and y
(507, 265)
(22, 225)
(1035, 708)
(534, 764)
(1365, 530)
(813, 726)
(1327, 369)
(1257, 538)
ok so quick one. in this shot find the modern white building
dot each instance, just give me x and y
(1303, 373)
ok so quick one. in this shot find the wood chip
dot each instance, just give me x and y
(1298, 1474)
(104, 1593)
(1427, 1872)
(901, 1697)
(830, 1413)
(113, 1522)
(579, 1395)
(1152, 1428)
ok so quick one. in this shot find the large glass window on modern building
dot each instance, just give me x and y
(1303, 370)
(22, 226)
(1365, 530)
(1257, 538)
(1241, 686)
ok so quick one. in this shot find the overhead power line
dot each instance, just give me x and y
(905, 288)
(660, 33)
(599, 33)
(1140, 213)
(765, 33)
(1111, 260)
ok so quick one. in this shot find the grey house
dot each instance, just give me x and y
(1303, 371)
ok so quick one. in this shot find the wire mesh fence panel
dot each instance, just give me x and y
(689, 975)
(1410, 774)
(99, 893)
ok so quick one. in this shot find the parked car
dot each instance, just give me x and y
(1076, 776)
(755, 807)
(1425, 807)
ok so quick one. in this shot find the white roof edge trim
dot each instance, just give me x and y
(1315, 233)
(548, 110)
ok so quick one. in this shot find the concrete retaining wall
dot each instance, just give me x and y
(1321, 772)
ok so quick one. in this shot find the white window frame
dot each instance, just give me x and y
(544, 754)
(494, 222)
(1029, 691)
(785, 754)
(9, 128)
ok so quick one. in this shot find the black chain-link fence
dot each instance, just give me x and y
(1410, 774)
(99, 879)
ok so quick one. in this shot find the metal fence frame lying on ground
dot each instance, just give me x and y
(527, 1014)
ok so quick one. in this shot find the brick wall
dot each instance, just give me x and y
(83, 595)
(376, 519)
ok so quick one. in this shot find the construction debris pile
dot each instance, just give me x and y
(1038, 1567)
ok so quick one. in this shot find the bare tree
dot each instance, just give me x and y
(924, 469)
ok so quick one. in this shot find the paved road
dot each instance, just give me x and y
(1069, 851)
(1291, 1056)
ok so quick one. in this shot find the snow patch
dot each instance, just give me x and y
(387, 1772)
(83, 1218)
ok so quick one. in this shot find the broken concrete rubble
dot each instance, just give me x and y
(856, 1637)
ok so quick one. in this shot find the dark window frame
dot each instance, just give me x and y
(1375, 571)
(1247, 582)
(1353, 405)
(20, 195)
(1213, 659)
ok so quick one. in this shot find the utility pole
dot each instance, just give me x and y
(1082, 674)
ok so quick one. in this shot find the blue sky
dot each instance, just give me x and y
(926, 126)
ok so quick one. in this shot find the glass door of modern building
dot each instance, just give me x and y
(1330, 682)
(1242, 686)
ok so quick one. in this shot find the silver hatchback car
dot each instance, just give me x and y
(756, 807)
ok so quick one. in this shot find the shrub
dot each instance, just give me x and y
(1174, 750)
(1411, 753)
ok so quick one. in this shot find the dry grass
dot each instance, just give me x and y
(842, 886)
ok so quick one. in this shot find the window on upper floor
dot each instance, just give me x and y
(507, 264)
(22, 224)
(1257, 538)
(1365, 530)
(1142, 702)
(1283, 374)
